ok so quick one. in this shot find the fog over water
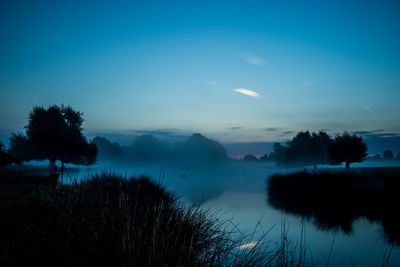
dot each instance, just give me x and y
(236, 190)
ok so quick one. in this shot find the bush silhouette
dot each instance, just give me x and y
(55, 132)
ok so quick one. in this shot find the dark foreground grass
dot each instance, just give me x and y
(335, 199)
(108, 220)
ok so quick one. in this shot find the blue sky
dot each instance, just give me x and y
(181, 66)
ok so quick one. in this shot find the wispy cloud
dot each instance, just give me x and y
(213, 82)
(235, 128)
(272, 129)
(255, 60)
(307, 84)
(369, 132)
(288, 132)
(247, 92)
(252, 59)
(369, 110)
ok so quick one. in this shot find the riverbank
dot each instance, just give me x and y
(334, 199)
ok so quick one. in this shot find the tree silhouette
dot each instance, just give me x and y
(200, 149)
(147, 148)
(264, 157)
(5, 158)
(304, 149)
(347, 148)
(250, 157)
(55, 132)
(388, 154)
(108, 151)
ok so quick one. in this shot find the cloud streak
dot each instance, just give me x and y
(369, 110)
(255, 60)
(252, 59)
(235, 128)
(213, 82)
(247, 92)
(272, 129)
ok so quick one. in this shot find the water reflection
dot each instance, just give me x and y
(333, 200)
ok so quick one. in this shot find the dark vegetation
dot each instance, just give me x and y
(335, 199)
(304, 149)
(250, 158)
(108, 220)
(117, 221)
(268, 157)
(347, 148)
(319, 148)
(387, 155)
(55, 132)
(6, 159)
(147, 148)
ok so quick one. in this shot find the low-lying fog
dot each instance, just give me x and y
(236, 190)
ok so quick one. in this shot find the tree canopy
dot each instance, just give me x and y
(388, 154)
(55, 132)
(304, 149)
(347, 148)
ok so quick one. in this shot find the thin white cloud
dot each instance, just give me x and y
(247, 92)
(255, 60)
(213, 82)
(252, 59)
(369, 110)
(307, 84)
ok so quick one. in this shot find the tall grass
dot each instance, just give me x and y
(116, 221)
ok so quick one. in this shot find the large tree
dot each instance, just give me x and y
(347, 148)
(54, 132)
(388, 154)
(304, 149)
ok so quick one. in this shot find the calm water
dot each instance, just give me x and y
(237, 191)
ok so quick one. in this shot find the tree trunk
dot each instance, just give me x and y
(347, 165)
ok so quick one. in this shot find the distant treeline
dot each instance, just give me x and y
(317, 148)
(308, 148)
(56, 133)
(386, 155)
(147, 148)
